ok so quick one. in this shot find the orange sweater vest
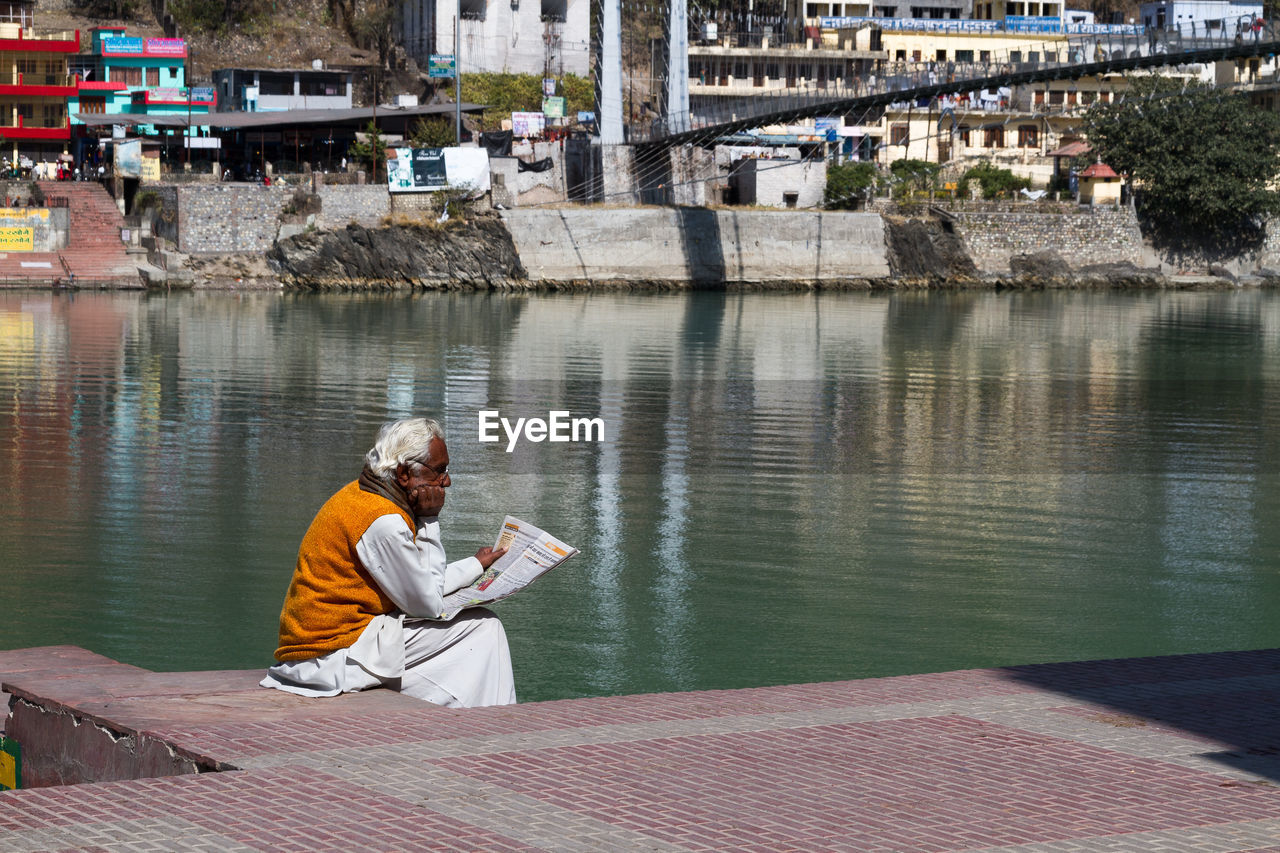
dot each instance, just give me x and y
(332, 597)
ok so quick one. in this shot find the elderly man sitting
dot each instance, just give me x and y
(370, 578)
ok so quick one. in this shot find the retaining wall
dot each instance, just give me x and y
(697, 245)
(230, 217)
(365, 204)
(1082, 237)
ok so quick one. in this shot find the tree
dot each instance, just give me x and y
(916, 175)
(1201, 162)
(847, 183)
(373, 150)
(995, 181)
(433, 133)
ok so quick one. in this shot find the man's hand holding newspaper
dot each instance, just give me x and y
(531, 553)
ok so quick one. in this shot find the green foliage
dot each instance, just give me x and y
(372, 153)
(846, 184)
(117, 9)
(218, 16)
(1202, 161)
(504, 94)
(433, 133)
(995, 182)
(915, 174)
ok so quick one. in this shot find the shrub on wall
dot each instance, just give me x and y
(847, 185)
(995, 182)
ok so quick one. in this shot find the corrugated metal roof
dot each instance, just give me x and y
(282, 118)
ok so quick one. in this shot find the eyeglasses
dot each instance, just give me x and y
(437, 474)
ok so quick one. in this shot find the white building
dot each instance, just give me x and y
(544, 37)
(1227, 15)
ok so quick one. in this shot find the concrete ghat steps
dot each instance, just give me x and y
(94, 254)
(1179, 753)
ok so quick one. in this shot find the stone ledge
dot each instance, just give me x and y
(82, 717)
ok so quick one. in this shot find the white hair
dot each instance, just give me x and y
(406, 441)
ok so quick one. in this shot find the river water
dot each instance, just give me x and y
(790, 487)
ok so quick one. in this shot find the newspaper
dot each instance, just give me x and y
(531, 553)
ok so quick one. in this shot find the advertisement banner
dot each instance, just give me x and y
(441, 65)
(548, 86)
(128, 154)
(166, 47)
(17, 239)
(121, 46)
(553, 107)
(428, 169)
(528, 124)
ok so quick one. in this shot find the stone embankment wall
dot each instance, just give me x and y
(1082, 236)
(237, 217)
(697, 246)
(229, 217)
(363, 204)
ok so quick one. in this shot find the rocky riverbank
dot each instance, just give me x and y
(475, 255)
(592, 250)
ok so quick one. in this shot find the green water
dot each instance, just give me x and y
(791, 488)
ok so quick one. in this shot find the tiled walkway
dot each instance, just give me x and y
(1178, 754)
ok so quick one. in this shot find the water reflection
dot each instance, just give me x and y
(792, 487)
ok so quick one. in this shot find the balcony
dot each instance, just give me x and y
(34, 128)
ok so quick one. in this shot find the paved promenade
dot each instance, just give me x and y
(1179, 753)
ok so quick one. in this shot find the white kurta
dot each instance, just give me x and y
(464, 662)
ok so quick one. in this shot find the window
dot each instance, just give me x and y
(915, 56)
(964, 132)
(1028, 136)
(127, 76)
(1086, 98)
(153, 77)
(984, 56)
(1055, 98)
(1015, 56)
(964, 56)
(993, 137)
(53, 115)
(91, 104)
(898, 134)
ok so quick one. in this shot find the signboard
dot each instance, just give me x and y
(527, 124)
(128, 155)
(553, 107)
(548, 86)
(416, 170)
(151, 165)
(166, 94)
(10, 765)
(166, 47)
(586, 117)
(202, 94)
(121, 46)
(17, 239)
(429, 169)
(441, 65)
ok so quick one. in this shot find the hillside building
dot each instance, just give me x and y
(549, 38)
(34, 85)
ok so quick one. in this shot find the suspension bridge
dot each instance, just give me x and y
(1069, 56)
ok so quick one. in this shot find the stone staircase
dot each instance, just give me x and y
(95, 254)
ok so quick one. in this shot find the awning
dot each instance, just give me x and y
(357, 117)
(1071, 149)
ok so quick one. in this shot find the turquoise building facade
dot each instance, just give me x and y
(136, 77)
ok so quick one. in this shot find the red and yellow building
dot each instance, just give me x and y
(34, 87)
